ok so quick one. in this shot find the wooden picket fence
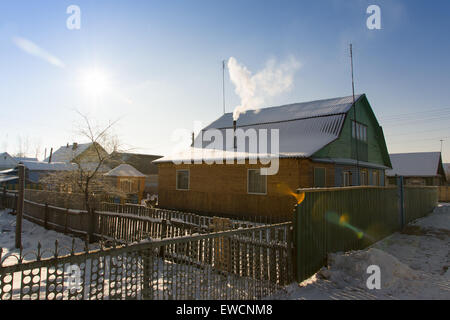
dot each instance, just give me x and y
(259, 261)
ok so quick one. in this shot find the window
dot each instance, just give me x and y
(359, 131)
(364, 179)
(347, 179)
(376, 178)
(256, 183)
(319, 177)
(182, 179)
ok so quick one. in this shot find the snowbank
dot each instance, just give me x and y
(414, 264)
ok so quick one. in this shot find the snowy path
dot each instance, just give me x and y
(414, 264)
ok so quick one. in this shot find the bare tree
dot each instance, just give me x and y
(86, 176)
(23, 146)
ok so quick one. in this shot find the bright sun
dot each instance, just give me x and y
(94, 81)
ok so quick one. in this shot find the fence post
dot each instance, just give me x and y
(15, 204)
(46, 216)
(4, 198)
(401, 208)
(20, 204)
(92, 226)
(66, 216)
(163, 235)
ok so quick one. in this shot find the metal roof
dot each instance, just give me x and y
(8, 178)
(304, 128)
(68, 153)
(45, 166)
(419, 164)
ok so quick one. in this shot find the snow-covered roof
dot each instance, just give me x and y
(419, 164)
(68, 153)
(124, 170)
(304, 128)
(25, 159)
(6, 161)
(5, 178)
(45, 166)
(447, 170)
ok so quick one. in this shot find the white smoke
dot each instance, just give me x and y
(253, 90)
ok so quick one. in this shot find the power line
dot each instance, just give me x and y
(409, 114)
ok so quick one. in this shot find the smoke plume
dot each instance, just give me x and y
(253, 90)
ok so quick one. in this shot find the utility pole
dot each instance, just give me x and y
(21, 169)
(354, 116)
(223, 84)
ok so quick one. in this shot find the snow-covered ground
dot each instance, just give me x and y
(414, 264)
(32, 234)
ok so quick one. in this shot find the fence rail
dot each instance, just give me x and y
(125, 223)
(247, 263)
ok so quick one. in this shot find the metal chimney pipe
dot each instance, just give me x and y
(234, 134)
(193, 137)
(50, 157)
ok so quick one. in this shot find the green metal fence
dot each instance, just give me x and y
(342, 219)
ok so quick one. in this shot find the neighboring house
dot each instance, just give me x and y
(36, 170)
(129, 180)
(320, 145)
(7, 162)
(420, 168)
(82, 153)
(447, 172)
(141, 162)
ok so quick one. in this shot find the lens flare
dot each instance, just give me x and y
(343, 221)
(284, 189)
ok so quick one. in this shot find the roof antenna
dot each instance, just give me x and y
(354, 124)
(223, 84)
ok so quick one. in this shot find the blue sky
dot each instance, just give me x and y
(163, 59)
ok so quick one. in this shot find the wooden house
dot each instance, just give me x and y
(419, 168)
(84, 154)
(129, 180)
(143, 163)
(326, 143)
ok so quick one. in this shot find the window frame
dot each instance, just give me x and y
(248, 183)
(344, 180)
(359, 131)
(362, 173)
(324, 177)
(189, 180)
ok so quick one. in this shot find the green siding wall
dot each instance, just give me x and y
(342, 147)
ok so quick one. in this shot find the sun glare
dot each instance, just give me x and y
(94, 82)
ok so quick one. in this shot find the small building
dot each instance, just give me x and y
(447, 172)
(143, 163)
(129, 180)
(325, 143)
(419, 168)
(7, 161)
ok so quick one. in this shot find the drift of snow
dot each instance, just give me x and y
(414, 264)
